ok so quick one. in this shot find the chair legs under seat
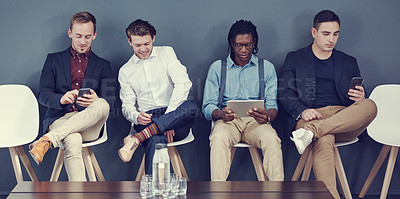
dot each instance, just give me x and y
(305, 165)
(176, 163)
(92, 166)
(377, 165)
(17, 153)
(257, 163)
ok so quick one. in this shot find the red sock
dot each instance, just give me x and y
(148, 132)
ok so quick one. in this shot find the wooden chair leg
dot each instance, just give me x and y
(16, 164)
(300, 165)
(141, 171)
(183, 170)
(88, 164)
(255, 156)
(341, 174)
(96, 165)
(389, 171)
(174, 160)
(377, 165)
(27, 164)
(57, 165)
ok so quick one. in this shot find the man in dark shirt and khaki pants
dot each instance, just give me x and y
(314, 90)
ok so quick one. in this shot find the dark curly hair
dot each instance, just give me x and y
(242, 27)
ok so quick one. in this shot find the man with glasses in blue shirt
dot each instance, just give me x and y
(241, 82)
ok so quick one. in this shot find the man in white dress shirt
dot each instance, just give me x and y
(154, 90)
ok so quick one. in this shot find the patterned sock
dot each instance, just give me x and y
(148, 132)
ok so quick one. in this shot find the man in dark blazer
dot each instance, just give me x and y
(72, 118)
(314, 90)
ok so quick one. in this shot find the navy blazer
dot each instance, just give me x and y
(55, 81)
(297, 83)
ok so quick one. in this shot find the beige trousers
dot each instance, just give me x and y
(226, 134)
(338, 123)
(72, 129)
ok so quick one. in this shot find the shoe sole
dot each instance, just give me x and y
(119, 154)
(296, 143)
(34, 158)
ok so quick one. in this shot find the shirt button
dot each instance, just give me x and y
(80, 61)
(77, 84)
(79, 71)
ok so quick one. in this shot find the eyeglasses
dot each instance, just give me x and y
(239, 46)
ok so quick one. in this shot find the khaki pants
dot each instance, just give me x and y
(338, 123)
(226, 134)
(72, 129)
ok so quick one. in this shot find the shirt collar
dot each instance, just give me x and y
(77, 55)
(252, 62)
(136, 59)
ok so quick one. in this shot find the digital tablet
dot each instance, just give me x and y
(241, 107)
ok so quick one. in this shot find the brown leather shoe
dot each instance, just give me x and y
(130, 146)
(40, 148)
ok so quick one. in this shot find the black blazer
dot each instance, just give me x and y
(55, 81)
(297, 83)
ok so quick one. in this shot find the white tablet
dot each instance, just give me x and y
(241, 107)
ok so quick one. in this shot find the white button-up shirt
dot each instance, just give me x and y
(158, 81)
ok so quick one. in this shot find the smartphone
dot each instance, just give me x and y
(83, 91)
(356, 81)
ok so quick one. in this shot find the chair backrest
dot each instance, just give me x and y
(19, 117)
(384, 128)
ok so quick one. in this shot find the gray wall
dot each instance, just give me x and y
(198, 30)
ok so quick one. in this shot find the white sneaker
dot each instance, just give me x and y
(302, 138)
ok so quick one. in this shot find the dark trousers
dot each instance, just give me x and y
(181, 120)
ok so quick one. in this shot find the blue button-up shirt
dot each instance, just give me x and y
(242, 83)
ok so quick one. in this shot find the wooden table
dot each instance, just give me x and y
(130, 189)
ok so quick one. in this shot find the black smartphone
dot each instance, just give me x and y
(83, 91)
(356, 81)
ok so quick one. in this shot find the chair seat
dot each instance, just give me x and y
(242, 145)
(189, 138)
(339, 144)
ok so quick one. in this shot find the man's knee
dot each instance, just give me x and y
(371, 107)
(102, 105)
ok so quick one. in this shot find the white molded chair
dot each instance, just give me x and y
(305, 165)
(174, 156)
(385, 130)
(92, 166)
(255, 157)
(19, 125)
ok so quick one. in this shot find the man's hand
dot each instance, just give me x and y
(260, 115)
(311, 114)
(356, 94)
(170, 135)
(69, 97)
(226, 114)
(144, 118)
(87, 99)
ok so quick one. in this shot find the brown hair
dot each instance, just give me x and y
(83, 17)
(140, 28)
